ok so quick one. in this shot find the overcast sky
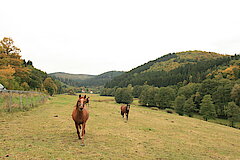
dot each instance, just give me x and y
(95, 36)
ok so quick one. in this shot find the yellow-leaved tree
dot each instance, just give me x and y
(12, 69)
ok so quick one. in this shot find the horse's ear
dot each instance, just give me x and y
(84, 96)
(80, 96)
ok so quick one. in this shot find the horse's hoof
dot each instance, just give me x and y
(83, 144)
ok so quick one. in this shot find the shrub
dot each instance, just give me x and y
(123, 95)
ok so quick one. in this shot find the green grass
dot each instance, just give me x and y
(20, 102)
(48, 132)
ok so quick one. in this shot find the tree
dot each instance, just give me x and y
(189, 89)
(207, 108)
(123, 95)
(222, 96)
(147, 96)
(208, 86)
(25, 86)
(235, 94)
(233, 113)
(189, 107)
(197, 100)
(179, 104)
(137, 90)
(185, 91)
(12, 67)
(165, 97)
(50, 86)
(7, 46)
(59, 86)
(108, 92)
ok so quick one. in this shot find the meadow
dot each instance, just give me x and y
(48, 132)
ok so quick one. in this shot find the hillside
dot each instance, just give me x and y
(148, 134)
(84, 79)
(75, 77)
(173, 68)
(183, 58)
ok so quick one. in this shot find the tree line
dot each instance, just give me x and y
(211, 98)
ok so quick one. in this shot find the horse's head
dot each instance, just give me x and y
(128, 107)
(81, 102)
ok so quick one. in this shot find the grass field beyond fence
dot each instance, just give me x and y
(48, 132)
(12, 100)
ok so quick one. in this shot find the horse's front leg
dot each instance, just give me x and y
(83, 132)
(127, 116)
(122, 114)
(76, 125)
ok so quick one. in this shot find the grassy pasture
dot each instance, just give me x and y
(48, 132)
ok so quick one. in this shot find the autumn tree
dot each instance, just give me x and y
(8, 47)
(12, 67)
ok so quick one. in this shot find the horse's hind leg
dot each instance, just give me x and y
(76, 125)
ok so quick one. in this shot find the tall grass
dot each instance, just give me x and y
(12, 101)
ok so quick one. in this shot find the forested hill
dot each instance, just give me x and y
(170, 69)
(84, 79)
(68, 77)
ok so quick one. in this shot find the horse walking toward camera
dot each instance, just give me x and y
(80, 116)
(125, 110)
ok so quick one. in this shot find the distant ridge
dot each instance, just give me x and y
(85, 79)
(71, 76)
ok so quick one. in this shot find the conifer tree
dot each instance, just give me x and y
(189, 107)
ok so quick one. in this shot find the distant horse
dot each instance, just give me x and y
(88, 101)
(125, 110)
(80, 116)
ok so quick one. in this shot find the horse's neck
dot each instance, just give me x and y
(79, 113)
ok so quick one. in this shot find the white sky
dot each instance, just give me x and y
(95, 36)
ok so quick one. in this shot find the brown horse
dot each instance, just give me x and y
(88, 101)
(80, 116)
(125, 110)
